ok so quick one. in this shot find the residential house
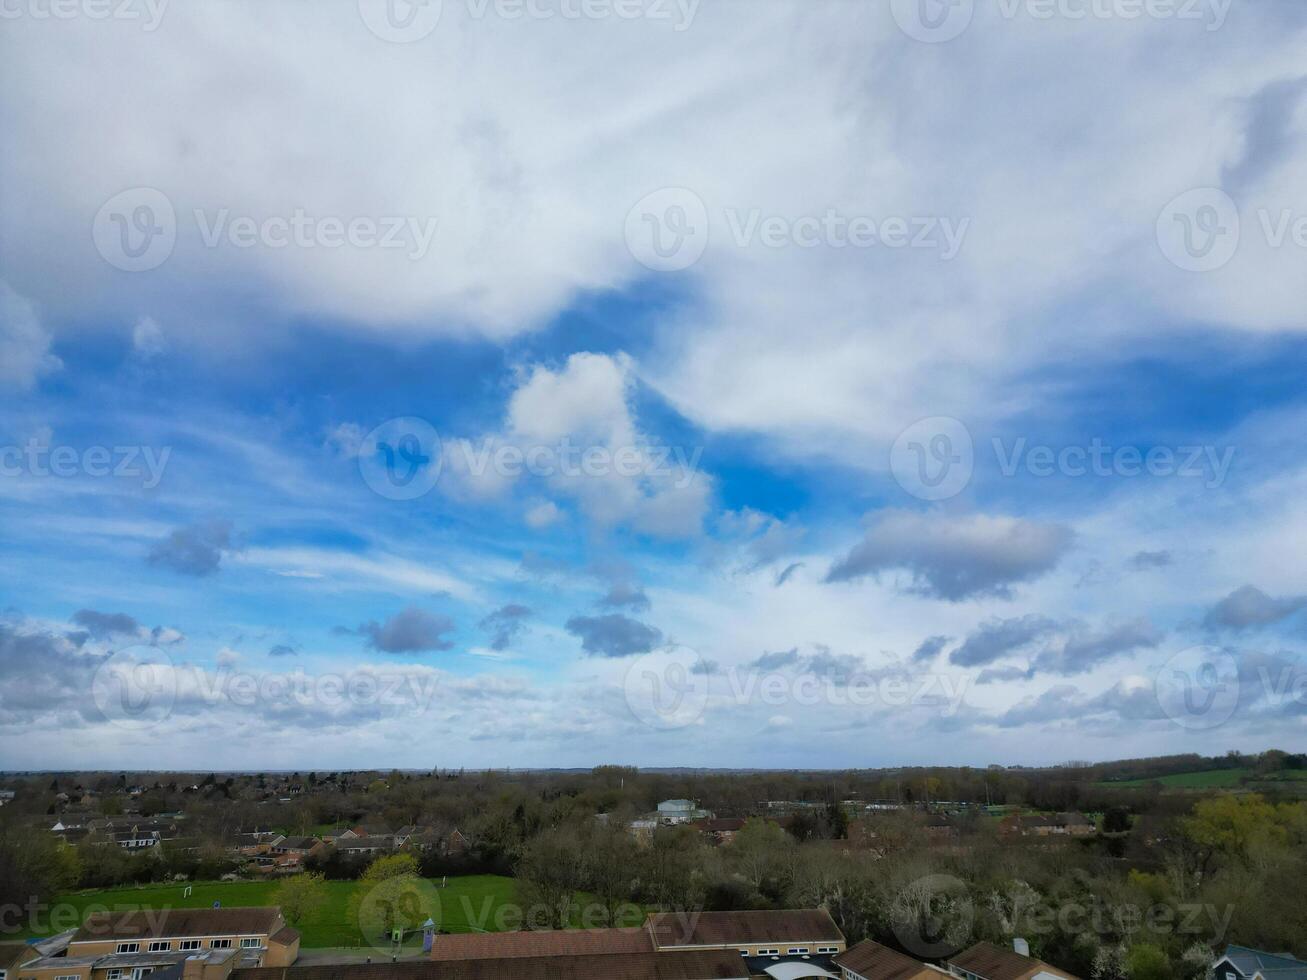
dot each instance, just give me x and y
(869, 960)
(680, 811)
(365, 845)
(719, 830)
(668, 946)
(206, 944)
(1243, 963)
(985, 961)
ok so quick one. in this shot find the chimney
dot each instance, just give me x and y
(1021, 947)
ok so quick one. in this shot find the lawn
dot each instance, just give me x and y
(1213, 779)
(469, 904)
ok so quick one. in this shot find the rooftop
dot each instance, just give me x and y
(672, 930)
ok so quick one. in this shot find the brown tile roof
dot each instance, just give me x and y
(285, 936)
(561, 942)
(698, 965)
(873, 961)
(177, 922)
(12, 954)
(672, 930)
(996, 963)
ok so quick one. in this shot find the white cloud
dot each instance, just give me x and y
(24, 343)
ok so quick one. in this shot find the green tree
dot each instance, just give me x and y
(299, 896)
(1144, 961)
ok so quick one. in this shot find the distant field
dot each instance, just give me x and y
(1214, 779)
(468, 904)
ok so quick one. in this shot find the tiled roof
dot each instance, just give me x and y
(11, 954)
(177, 922)
(699, 965)
(995, 963)
(284, 936)
(560, 942)
(672, 930)
(1274, 966)
(873, 961)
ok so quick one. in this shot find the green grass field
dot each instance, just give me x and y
(469, 904)
(1214, 779)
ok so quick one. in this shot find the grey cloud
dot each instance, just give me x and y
(283, 650)
(995, 675)
(929, 648)
(998, 638)
(956, 558)
(505, 624)
(775, 661)
(1147, 560)
(784, 575)
(1082, 650)
(100, 624)
(613, 635)
(411, 631)
(625, 595)
(1249, 607)
(193, 550)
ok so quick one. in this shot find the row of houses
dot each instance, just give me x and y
(257, 944)
(274, 853)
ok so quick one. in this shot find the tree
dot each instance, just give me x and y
(1145, 961)
(299, 896)
(551, 872)
(392, 896)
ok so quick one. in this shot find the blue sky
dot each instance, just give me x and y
(840, 310)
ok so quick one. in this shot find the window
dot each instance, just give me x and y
(114, 975)
(124, 948)
(797, 949)
(828, 949)
(160, 945)
(141, 971)
(769, 952)
(220, 944)
(190, 944)
(72, 976)
(251, 943)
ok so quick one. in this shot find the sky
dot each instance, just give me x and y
(548, 383)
